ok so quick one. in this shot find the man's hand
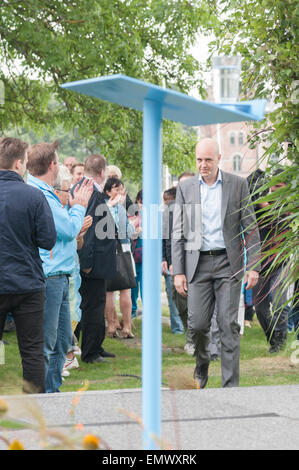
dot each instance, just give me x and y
(82, 194)
(87, 271)
(87, 222)
(138, 230)
(114, 200)
(180, 283)
(123, 197)
(251, 278)
(164, 267)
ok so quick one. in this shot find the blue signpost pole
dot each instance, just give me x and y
(152, 256)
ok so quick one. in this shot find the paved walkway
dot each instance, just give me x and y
(242, 418)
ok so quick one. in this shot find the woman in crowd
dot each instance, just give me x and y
(137, 254)
(114, 191)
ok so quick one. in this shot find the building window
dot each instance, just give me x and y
(229, 84)
(241, 138)
(237, 163)
(232, 138)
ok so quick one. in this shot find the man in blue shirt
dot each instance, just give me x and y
(58, 264)
(97, 264)
(26, 224)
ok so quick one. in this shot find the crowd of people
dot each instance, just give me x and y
(71, 235)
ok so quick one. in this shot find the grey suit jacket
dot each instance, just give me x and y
(237, 217)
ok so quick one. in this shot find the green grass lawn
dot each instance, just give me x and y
(257, 366)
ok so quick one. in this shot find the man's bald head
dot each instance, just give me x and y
(207, 144)
(69, 162)
(207, 159)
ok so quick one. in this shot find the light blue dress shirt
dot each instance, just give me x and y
(211, 197)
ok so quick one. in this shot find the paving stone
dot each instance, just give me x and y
(235, 418)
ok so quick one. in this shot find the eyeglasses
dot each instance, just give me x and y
(63, 190)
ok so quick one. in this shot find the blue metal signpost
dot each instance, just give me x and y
(158, 103)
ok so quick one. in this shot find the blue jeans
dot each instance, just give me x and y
(135, 291)
(176, 324)
(75, 297)
(57, 330)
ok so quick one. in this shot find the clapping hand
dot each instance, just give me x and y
(123, 197)
(86, 224)
(114, 200)
(82, 193)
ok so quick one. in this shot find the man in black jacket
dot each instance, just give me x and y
(179, 300)
(26, 223)
(97, 264)
(270, 294)
(177, 323)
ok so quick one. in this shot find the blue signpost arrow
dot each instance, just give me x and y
(158, 103)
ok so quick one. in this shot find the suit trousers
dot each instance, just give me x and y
(213, 282)
(215, 339)
(93, 293)
(28, 313)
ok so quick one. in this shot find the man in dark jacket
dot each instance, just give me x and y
(176, 321)
(179, 300)
(269, 294)
(26, 223)
(97, 264)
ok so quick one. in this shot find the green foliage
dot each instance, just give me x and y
(47, 43)
(70, 143)
(265, 34)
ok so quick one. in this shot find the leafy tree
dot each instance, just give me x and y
(58, 41)
(70, 144)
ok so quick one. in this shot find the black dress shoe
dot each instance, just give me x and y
(107, 354)
(215, 357)
(277, 342)
(97, 360)
(201, 376)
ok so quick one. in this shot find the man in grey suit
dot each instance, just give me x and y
(211, 217)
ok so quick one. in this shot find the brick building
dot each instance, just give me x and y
(232, 139)
(237, 157)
